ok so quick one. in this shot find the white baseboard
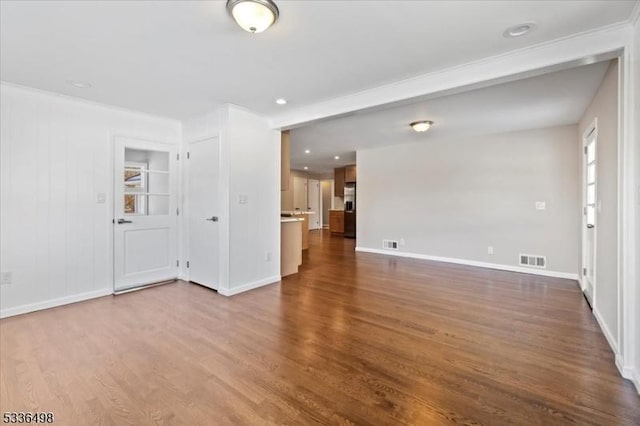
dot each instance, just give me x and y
(609, 336)
(249, 286)
(543, 272)
(32, 307)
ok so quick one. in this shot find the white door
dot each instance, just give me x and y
(313, 194)
(202, 211)
(145, 216)
(589, 214)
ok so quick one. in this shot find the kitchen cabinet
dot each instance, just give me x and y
(285, 161)
(336, 221)
(350, 174)
(338, 182)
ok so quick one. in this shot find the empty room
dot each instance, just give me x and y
(278, 212)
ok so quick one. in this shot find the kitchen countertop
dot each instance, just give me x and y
(295, 213)
(290, 219)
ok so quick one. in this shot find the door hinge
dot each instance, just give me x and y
(187, 264)
(178, 263)
(188, 155)
(585, 150)
(177, 156)
(584, 271)
(584, 211)
(177, 212)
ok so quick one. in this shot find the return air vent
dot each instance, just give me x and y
(533, 260)
(390, 244)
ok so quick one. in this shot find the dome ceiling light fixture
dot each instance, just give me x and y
(421, 126)
(253, 16)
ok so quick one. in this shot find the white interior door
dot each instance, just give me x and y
(313, 204)
(144, 242)
(589, 220)
(202, 211)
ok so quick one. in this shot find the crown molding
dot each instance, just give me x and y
(87, 102)
(587, 47)
(634, 18)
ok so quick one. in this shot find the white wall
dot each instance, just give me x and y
(251, 157)
(604, 107)
(454, 198)
(636, 73)
(56, 157)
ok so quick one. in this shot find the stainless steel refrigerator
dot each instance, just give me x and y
(350, 210)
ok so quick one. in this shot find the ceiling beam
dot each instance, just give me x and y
(604, 43)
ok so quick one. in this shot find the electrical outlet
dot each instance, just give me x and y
(402, 241)
(490, 249)
(5, 278)
(267, 256)
(243, 198)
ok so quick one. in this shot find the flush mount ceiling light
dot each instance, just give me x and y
(519, 30)
(254, 16)
(306, 168)
(421, 126)
(79, 84)
(337, 157)
(281, 101)
(306, 151)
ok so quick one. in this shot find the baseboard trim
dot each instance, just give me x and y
(60, 301)
(609, 336)
(249, 286)
(520, 269)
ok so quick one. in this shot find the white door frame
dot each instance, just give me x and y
(590, 132)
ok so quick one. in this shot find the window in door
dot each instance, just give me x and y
(590, 151)
(146, 183)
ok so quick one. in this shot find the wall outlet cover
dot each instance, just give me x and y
(5, 278)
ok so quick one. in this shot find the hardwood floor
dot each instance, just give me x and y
(352, 339)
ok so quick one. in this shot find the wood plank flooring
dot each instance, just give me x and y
(352, 339)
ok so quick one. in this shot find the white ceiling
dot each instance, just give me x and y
(178, 59)
(549, 100)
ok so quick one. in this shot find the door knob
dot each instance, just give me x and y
(122, 221)
(212, 218)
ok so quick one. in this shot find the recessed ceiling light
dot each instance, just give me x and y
(281, 101)
(254, 16)
(306, 151)
(79, 84)
(306, 168)
(421, 126)
(519, 30)
(337, 157)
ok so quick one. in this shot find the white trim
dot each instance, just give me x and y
(60, 301)
(249, 286)
(609, 336)
(627, 205)
(520, 269)
(590, 133)
(89, 102)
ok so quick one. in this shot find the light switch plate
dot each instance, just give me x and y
(101, 198)
(5, 278)
(243, 198)
(541, 205)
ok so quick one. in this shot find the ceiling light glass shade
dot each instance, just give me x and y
(421, 126)
(254, 16)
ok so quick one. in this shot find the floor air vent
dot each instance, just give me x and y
(533, 260)
(390, 244)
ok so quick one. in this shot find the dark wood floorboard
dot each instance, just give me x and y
(352, 339)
